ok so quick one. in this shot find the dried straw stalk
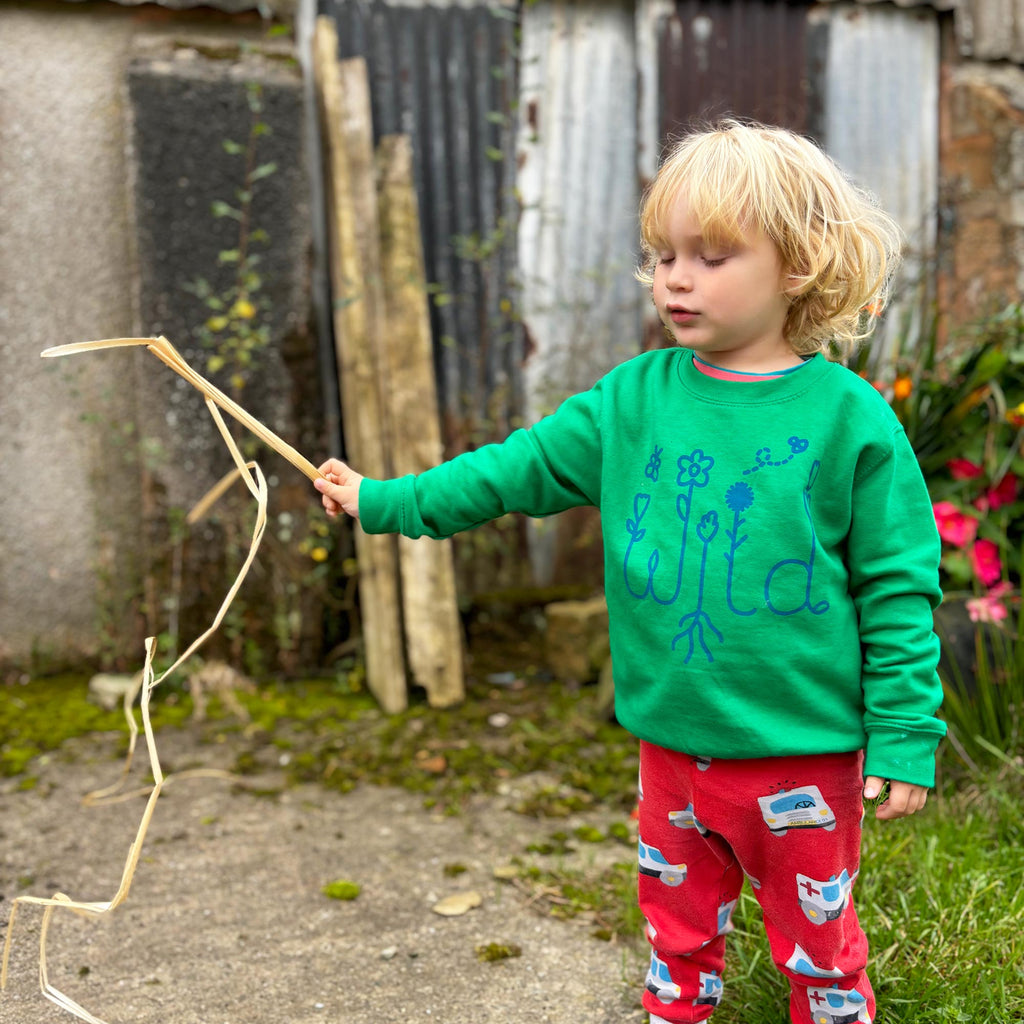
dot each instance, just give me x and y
(253, 477)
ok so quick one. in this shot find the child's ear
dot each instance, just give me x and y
(793, 285)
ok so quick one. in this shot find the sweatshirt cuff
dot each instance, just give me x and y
(380, 506)
(903, 756)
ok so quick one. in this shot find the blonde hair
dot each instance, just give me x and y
(839, 246)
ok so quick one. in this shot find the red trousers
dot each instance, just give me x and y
(792, 827)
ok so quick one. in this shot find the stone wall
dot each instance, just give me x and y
(114, 123)
(981, 251)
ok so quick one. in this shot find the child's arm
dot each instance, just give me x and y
(553, 466)
(902, 800)
(893, 557)
(339, 489)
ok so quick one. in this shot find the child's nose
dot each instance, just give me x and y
(681, 278)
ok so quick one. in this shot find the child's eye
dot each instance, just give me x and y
(666, 257)
(709, 261)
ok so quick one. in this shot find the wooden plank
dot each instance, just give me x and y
(343, 100)
(433, 630)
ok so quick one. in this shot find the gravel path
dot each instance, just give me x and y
(226, 922)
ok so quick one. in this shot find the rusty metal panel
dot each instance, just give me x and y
(882, 125)
(446, 76)
(579, 193)
(740, 57)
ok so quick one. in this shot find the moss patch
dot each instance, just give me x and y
(37, 717)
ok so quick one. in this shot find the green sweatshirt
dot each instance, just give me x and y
(771, 557)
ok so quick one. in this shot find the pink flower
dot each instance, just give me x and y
(1004, 493)
(954, 526)
(985, 562)
(963, 469)
(985, 609)
(989, 608)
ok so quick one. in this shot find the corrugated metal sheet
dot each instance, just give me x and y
(742, 57)
(577, 149)
(446, 76)
(985, 29)
(579, 193)
(881, 80)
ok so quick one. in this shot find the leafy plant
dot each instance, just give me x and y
(237, 329)
(963, 411)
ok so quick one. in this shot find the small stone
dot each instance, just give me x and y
(457, 904)
(108, 689)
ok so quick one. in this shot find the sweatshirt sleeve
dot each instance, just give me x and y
(894, 558)
(553, 466)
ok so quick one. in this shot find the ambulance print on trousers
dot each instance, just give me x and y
(803, 807)
(838, 1006)
(824, 901)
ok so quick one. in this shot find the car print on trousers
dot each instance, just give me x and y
(659, 982)
(836, 1005)
(803, 807)
(653, 863)
(686, 819)
(824, 901)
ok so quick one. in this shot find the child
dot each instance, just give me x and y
(771, 562)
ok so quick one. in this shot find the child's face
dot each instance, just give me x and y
(725, 301)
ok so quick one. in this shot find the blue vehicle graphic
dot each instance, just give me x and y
(824, 901)
(710, 989)
(803, 807)
(838, 1006)
(801, 963)
(725, 924)
(686, 819)
(653, 863)
(659, 982)
(725, 910)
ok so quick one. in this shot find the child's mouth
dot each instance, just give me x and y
(682, 316)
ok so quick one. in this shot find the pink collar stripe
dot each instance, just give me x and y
(720, 374)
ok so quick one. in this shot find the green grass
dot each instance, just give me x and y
(941, 897)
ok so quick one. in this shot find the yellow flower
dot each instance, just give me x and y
(243, 309)
(318, 554)
(217, 323)
(901, 388)
(1016, 415)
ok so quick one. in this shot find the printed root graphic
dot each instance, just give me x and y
(252, 476)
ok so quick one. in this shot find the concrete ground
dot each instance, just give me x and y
(226, 922)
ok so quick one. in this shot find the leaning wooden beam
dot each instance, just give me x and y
(433, 631)
(343, 99)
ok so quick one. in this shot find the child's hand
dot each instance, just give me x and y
(903, 799)
(340, 488)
